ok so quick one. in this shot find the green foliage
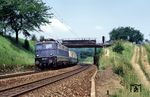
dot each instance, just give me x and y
(126, 33)
(87, 60)
(42, 38)
(23, 15)
(119, 70)
(122, 66)
(147, 47)
(33, 38)
(13, 56)
(85, 54)
(118, 48)
(142, 66)
(26, 44)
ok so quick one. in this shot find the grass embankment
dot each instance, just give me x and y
(142, 65)
(147, 47)
(14, 56)
(121, 64)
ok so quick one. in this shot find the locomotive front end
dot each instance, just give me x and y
(45, 54)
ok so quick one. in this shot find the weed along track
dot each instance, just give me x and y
(22, 89)
(138, 69)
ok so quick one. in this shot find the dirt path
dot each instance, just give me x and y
(106, 51)
(138, 69)
(145, 62)
(107, 81)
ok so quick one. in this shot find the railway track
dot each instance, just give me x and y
(17, 74)
(22, 89)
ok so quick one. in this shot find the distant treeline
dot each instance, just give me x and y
(126, 33)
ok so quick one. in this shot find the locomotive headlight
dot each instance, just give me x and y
(51, 54)
(37, 55)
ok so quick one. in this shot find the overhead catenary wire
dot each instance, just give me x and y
(56, 15)
(59, 17)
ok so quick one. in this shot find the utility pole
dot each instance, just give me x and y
(103, 39)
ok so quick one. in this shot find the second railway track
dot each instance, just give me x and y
(22, 89)
(18, 74)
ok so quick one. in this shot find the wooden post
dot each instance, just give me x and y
(107, 92)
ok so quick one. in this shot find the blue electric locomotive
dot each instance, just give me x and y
(51, 53)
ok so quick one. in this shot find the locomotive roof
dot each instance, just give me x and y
(43, 42)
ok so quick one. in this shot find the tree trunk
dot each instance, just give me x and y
(4, 30)
(16, 36)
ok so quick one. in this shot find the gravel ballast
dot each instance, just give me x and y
(15, 81)
(78, 85)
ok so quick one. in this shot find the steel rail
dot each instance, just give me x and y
(22, 89)
(17, 74)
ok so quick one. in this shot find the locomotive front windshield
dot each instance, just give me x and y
(43, 46)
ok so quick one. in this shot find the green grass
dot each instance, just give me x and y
(88, 60)
(122, 66)
(13, 55)
(142, 67)
(147, 47)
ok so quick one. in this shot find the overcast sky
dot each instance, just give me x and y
(96, 18)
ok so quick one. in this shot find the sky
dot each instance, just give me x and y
(79, 19)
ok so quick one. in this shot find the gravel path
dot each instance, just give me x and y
(106, 52)
(107, 80)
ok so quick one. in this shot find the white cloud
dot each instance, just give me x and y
(55, 29)
(56, 25)
(98, 27)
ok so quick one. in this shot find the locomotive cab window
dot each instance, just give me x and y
(48, 46)
(43, 46)
(39, 47)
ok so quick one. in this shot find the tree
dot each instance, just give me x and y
(42, 38)
(126, 33)
(23, 16)
(26, 44)
(33, 38)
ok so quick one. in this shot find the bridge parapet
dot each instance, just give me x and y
(79, 41)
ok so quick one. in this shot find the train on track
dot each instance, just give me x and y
(51, 53)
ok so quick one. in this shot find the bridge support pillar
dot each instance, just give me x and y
(96, 57)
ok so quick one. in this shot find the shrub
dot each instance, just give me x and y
(33, 38)
(118, 48)
(42, 38)
(26, 44)
(119, 70)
